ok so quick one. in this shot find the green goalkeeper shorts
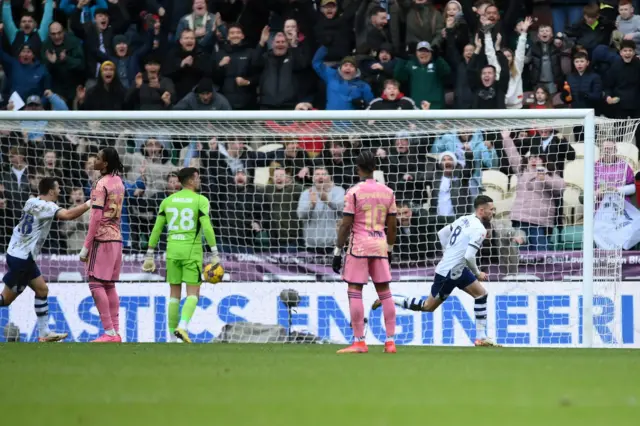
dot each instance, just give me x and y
(184, 271)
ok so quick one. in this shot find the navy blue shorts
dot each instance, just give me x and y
(20, 274)
(443, 286)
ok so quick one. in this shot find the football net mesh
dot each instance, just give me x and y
(277, 190)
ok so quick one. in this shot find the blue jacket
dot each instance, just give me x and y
(131, 62)
(483, 157)
(27, 80)
(586, 89)
(68, 7)
(340, 92)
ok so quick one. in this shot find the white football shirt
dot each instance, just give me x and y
(32, 230)
(465, 231)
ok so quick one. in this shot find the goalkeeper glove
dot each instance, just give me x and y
(390, 254)
(84, 254)
(214, 274)
(149, 264)
(337, 260)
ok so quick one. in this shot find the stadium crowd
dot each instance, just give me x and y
(231, 55)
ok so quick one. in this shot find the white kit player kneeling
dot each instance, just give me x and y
(26, 241)
(461, 241)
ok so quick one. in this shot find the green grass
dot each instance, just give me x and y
(215, 384)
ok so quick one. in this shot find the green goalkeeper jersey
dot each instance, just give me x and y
(186, 215)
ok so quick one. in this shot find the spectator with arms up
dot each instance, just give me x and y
(345, 89)
(425, 75)
(537, 191)
(28, 32)
(279, 80)
(28, 75)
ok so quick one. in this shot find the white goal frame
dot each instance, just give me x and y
(587, 116)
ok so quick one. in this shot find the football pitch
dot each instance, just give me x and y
(218, 384)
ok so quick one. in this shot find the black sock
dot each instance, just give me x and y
(415, 304)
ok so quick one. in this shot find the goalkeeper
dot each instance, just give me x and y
(186, 214)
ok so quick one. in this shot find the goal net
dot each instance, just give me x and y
(276, 183)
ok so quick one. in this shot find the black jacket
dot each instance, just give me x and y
(623, 81)
(402, 102)
(462, 91)
(279, 86)
(460, 196)
(536, 53)
(186, 78)
(89, 34)
(240, 66)
(101, 98)
(337, 33)
(582, 34)
(243, 206)
(491, 97)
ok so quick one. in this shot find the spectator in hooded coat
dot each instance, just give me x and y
(203, 98)
(107, 94)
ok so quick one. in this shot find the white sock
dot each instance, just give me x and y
(389, 339)
(111, 332)
(480, 308)
(173, 339)
(41, 308)
(481, 329)
(182, 325)
(400, 301)
(43, 326)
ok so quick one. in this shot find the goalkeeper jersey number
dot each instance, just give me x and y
(182, 212)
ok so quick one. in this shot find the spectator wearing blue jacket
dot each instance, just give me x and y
(485, 155)
(345, 89)
(88, 10)
(29, 33)
(585, 85)
(27, 75)
(127, 61)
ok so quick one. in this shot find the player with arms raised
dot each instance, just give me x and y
(461, 241)
(26, 241)
(102, 250)
(368, 206)
(186, 214)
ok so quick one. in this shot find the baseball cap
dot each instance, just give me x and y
(34, 100)
(326, 2)
(424, 45)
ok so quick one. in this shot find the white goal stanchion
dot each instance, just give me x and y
(276, 182)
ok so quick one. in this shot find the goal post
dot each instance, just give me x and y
(344, 126)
